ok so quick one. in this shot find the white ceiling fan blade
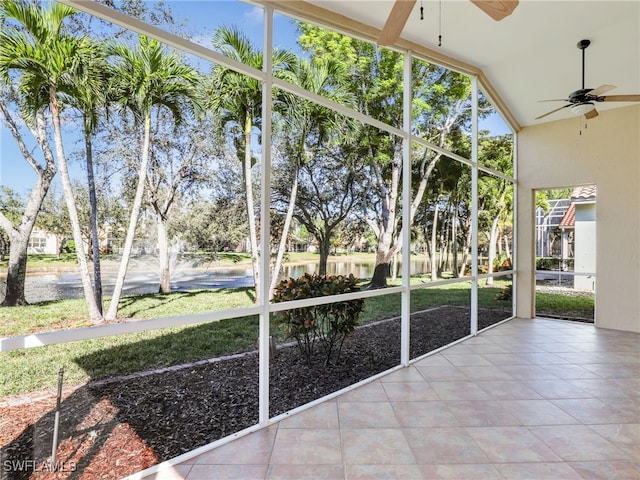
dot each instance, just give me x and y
(601, 89)
(496, 9)
(552, 111)
(396, 21)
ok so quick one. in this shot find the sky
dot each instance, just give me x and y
(202, 18)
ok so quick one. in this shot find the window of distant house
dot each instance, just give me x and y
(37, 242)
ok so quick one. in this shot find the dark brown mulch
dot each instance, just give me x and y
(112, 429)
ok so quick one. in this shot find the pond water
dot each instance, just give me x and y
(44, 287)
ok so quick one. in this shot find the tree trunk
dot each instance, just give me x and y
(94, 313)
(17, 271)
(493, 237)
(19, 237)
(133, 221)
(285, 233)
(324, 248)
(380, 274)
(93, 220)
(163, 254)
(253, 233)
(434, 230)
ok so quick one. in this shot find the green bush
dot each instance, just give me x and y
(320, 329)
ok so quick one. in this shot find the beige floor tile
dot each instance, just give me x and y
(384, 472)
(227, 472)
(443, 373)
(437, 360)
(306, 447)
(486, 372)
(409, 374)
(466, 359)
(376, 446)
(177, 472)
(371, 392)
(592, 411)
(528, 372)
(459, 391)
(569, 372)
(367, 415)
(512, 444)
(424, 414)
(500, 359)
(252, 449)
(537, 412)
(486, 413)
(444, 445)
(305, 472)
(482, 471)
(508, 390)
(538, 471)
(625, 436)
(607, 470)
(578, 443)
(410, 392)
(320, 416)
(603, 387)
(557, 389)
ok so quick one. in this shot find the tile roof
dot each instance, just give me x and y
(584, 193)
(569, 218)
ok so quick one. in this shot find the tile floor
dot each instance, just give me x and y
(530, 399)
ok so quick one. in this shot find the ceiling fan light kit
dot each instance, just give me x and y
(583, 108)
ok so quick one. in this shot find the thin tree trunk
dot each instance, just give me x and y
(493, 237)
(93, 220)
(94, 313)
(434, 229)
(163, 254)
(133, 221)
(285, 233)
(253, 234)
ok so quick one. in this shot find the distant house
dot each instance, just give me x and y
(579, 221)
(42, 241)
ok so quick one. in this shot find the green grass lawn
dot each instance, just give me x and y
(37, 368)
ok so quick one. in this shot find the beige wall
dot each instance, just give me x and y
(606, 154)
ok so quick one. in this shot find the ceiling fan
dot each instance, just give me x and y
(496, 9)
(583, 101)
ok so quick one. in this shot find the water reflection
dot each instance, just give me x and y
(43, 287)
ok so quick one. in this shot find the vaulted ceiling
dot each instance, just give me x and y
(530, 55)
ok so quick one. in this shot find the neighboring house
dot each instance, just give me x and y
(548, 229)
(579, 221)
(42, 241)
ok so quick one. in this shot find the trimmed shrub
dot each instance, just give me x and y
(320, 329)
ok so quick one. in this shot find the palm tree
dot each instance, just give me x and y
(47, 61)
(147, 78)
(88, 96)
(309, 126)
(236, 101)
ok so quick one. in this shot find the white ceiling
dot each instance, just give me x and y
(532, 54)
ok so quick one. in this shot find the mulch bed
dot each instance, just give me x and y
(113, 428)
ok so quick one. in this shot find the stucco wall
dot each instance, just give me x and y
(607, 154)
